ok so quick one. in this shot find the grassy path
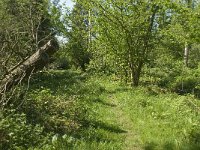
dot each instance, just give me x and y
(126, 123)
(115, 113)
(146, 119)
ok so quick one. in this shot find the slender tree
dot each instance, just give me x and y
(79, 36)
(129, 30)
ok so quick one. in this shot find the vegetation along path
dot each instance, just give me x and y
(76, 111)
(146, 118)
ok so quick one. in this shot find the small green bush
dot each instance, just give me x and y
(197, 91)
(184, 85)
(56, 103)
(187, 82)
(16, 132)
(63, 63)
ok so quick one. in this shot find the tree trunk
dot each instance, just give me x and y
(35, 62)
(135, 73)
(186, 54)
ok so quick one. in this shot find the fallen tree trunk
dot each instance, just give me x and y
(35, 62)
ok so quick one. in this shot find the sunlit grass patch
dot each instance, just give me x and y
(163, 121)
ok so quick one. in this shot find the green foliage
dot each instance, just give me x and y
(43, 114)
(197, 91)
(170, 73)
(58, 106)
(17, 133)
(76, 30)
(65, 109)
(128, 42)
(194, 56)
(78, 111)
(187, 82)
(194, 135)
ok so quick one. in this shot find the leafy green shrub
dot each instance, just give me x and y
(197, 91)
(57, 114)
(163, 72)
(193, 142)
(187, 82)
(16, 132)
(63, 63)
(195, 135)
(57, 102)
(184, 85)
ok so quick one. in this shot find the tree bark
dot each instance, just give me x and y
(136, 71)
(186, 55)
(35, 62)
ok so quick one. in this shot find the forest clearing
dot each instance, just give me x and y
(99, 75)
(74, 111)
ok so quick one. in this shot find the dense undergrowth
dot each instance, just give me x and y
(71, 110)
(56, 105)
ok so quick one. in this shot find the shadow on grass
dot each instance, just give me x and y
(105, 126)
(156, 146)
(55, 80)
(98, 100)
(73, 83)
(99, 131)
(119, 90)
(191, 145)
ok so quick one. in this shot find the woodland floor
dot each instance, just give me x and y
(143, 118)
(125, 118)
(114, 113)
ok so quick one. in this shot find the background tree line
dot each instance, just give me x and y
(131, 38)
